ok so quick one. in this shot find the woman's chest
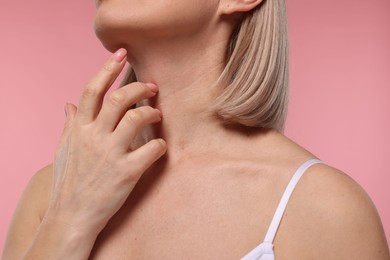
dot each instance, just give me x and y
(173, 237)
(187, 219)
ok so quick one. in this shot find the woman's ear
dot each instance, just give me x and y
(228, 7)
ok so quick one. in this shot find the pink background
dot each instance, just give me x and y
(340, 74)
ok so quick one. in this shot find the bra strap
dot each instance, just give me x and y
(270, 236)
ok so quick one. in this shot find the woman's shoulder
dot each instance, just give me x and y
(328, 212)
(28, 214)
(336, 216)
(43, 175)
(335, 193)
(38, 189)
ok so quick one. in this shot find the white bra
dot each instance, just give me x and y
(265, 250)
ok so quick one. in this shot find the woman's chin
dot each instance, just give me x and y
(110, 33)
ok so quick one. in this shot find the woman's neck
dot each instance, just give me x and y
(186, 78)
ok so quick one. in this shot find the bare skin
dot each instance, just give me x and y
(217, 204)
(203, 191)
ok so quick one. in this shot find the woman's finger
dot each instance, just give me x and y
(142, 158)
(116, 105)
(94, 91)
(130, 125)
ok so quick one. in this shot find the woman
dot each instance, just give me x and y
(197, 167)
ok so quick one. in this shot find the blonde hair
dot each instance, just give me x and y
(254, 83)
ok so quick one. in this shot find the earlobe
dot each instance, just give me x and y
(228, 7)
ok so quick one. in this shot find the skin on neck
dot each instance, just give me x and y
(186, 68)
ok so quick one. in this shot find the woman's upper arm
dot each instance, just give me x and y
(28, 214)
(363, 231)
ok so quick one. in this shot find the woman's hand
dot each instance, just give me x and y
(94, 168)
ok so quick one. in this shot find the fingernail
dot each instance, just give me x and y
(153, 87)
(162, 142)
(159, 112)
(120, 54)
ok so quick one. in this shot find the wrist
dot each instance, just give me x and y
(74, 227)
(58, 239)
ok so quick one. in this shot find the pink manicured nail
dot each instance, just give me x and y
(120, 54)
(153, 87)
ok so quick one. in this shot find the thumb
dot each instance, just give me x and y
(70, 112)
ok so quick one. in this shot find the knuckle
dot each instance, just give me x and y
(109, 67)
(116, 98)
(134, 116)
(142, 88)
(90, 91)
